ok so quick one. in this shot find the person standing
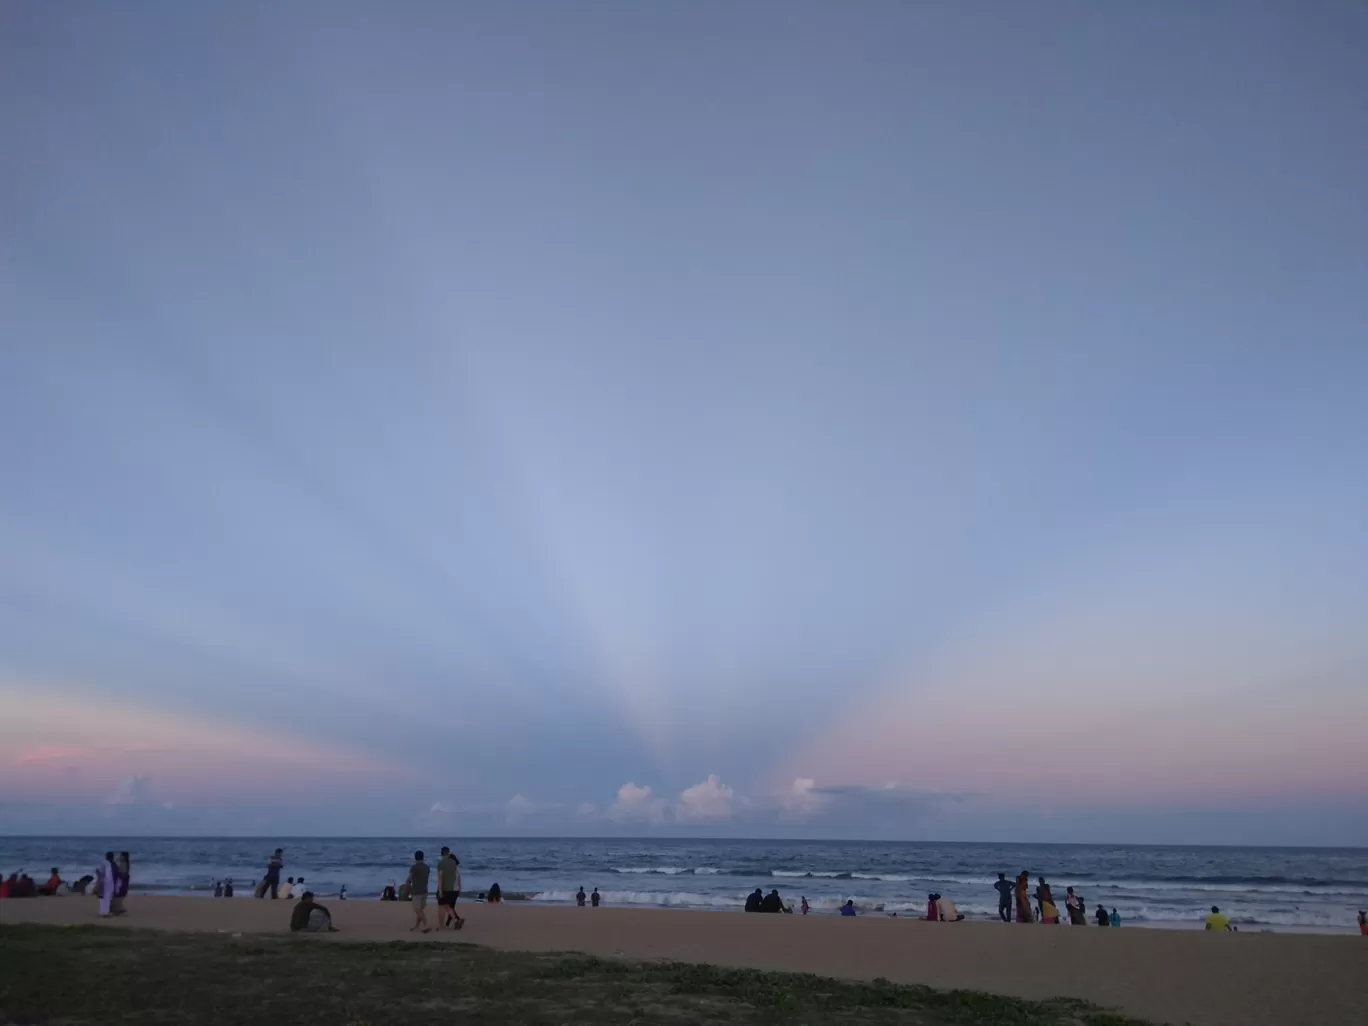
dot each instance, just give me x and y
(273, 868)
(595, 898)
(121, 870)
(1102, 918)
(1004, 889)
(448, 890)
(418, 889)
(1023, 898)
(805, 906)
(579, 897)
(1363, 923)
(106, 880)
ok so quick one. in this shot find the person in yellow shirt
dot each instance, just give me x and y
(1217, 920)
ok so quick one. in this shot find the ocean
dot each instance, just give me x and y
(1259, 888)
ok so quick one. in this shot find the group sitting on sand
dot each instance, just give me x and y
(759, 901)
(940, 909)
(308, 916)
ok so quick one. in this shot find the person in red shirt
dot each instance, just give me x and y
(54, 883)
(7, 886)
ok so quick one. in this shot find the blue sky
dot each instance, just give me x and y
(921, 420)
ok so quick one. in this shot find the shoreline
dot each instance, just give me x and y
(1174, 976)
(1349, 929)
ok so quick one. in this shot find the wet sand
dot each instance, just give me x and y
(1243, 979)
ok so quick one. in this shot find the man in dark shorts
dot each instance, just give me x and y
(418, 888)
(448, 890)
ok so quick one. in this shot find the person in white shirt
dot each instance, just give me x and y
(287, 888)
(948, 912)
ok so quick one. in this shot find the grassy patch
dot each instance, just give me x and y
(88, 976)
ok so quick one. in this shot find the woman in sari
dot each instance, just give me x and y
(1023, 898)
(120, 882)
(106, 883)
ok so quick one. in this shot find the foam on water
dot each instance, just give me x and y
(1258, 888)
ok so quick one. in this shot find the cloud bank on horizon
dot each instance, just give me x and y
(898, 425)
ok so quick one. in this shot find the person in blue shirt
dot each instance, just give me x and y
(848, 909)
(1115, 918)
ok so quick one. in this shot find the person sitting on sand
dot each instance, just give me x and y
(579, 897)
(804, 906)
(287, 889)
(595, 898)
(389, 893)
(754, 899)
(495, 894)
(1217, 921)
(53, 886)
(228, 887)
(310, 917)
(932, 912)
(7, 886)
(948, 912)
(79, 887)
(218, 888)
(405, 891)
(772, 902)
(848, 909)
(1102, 918)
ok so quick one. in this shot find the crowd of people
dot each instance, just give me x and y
(110, 883)
(1039, 906)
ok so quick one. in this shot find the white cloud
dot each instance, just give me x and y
(637, 803)
(132, 791)
(802, 798)
(709, 800)
(519, 806)
(587, 810)
(437, 815)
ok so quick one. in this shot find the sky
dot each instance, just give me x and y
(882, 420)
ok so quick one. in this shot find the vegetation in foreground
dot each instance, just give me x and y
(89, 976)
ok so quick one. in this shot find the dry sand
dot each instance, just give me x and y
(1244, 979)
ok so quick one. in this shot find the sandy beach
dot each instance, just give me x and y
(1242, 979)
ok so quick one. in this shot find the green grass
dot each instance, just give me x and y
(88, 976)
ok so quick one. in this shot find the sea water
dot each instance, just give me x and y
(1279, 888)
